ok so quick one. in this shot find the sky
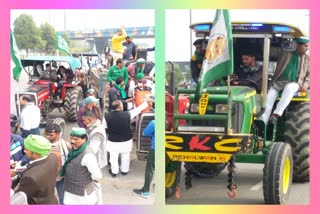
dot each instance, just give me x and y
(177, 23)
(89, 19)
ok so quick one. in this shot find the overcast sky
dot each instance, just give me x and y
(89, 19)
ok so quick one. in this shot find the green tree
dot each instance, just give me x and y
(26, 33)
(48, 35)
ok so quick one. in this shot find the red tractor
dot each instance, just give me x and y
(47, 91)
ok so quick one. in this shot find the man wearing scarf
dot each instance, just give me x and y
(81, 171)
(197, 58)
(291, 75)
(136, 68)
(117, 92)
(38, 181)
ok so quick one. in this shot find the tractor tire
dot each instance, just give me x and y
(172, 177)
(62, 124)
(71, 102)
(297, 135)
(277, 174)
(205, 169)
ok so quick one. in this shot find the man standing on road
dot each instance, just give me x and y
(60, 148)
(291, 75)
(30, 117)
(96, 137)
(81, 171)
(120, 136)
(39, 179)
(149, 131)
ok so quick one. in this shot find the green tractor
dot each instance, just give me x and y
(223, 127)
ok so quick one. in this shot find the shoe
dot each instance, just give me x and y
(142, 193)
(273, 119)
(124, 173)
(112, 175)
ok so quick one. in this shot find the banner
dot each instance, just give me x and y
(62, 45)
(218, 60)
(16, 71)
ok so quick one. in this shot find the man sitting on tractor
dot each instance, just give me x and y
(117, 92)
(291, 75)
(250, 69)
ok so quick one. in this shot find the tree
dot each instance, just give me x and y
(26, 33)
(48, 35)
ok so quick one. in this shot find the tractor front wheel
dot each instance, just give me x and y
(277, 174)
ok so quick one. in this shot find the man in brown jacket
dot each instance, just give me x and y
(38, 181)
(291, 75)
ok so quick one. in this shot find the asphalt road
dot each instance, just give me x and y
(114, 190)
(249, 182)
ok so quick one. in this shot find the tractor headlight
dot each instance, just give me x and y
(221, 108)
(194, 108)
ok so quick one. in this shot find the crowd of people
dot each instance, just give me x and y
(48, 169)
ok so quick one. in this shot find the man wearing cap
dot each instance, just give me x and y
(137, 67)
(60, 148)
(130, 52)
(120, 135)
(39, 179)
(116, 42)
(116, 71)
(139, 83)
(291, 75)
(83, 108)
(197, 58)
(81, 171)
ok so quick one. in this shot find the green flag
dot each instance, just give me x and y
(62, 45)
(16, 71)
(218, 62)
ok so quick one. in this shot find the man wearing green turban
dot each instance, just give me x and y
(291, 75)
(38, 181)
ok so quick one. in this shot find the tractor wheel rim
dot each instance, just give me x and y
(286, 175)
(170, 178)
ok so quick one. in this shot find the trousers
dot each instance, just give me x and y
(288, 92)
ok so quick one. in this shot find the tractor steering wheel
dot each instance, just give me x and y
(245, 82)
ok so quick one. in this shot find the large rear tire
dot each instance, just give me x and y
(297, 135)
(205, 169)
(277, 174)
(71, 102)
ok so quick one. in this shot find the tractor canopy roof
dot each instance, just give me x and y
(33, 60)
(203, 29)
